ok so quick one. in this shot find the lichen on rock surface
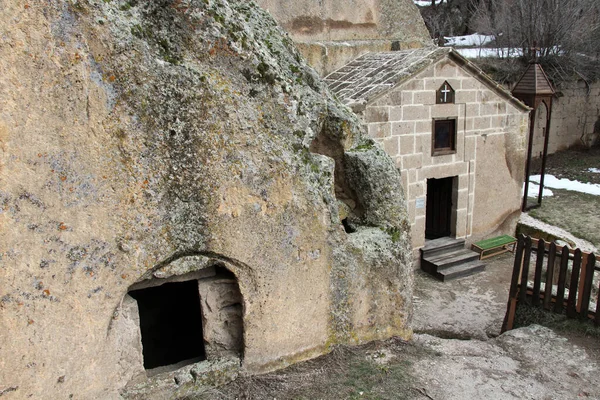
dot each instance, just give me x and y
(135, 135)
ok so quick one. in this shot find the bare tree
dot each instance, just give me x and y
(566, 33)
(447, 17)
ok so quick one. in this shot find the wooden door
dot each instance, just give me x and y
(439, 208)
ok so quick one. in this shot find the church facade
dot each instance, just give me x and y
(457, 137)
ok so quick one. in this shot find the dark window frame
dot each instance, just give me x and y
(439, 96)
(453, 125)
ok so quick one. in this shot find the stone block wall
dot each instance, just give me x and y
(490, 149)
(575, 111)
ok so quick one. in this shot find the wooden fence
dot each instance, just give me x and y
(552, 266)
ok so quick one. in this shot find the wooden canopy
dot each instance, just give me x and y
(533, 82)
(535, 88)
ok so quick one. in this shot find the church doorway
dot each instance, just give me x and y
(439, 208)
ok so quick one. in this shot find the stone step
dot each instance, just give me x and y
(461, 270)
(446, 258)
(441, 245)
(449, 259)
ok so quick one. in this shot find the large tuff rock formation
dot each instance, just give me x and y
(309, 20)
(331, 33)
(181, 141)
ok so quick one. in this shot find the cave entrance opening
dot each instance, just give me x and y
(183, 319)
(170, 324)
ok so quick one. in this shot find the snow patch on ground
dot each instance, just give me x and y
(534, 190)
(594, 170)
(550, 181)
(489, 52)
(427, 3)
(469, 40)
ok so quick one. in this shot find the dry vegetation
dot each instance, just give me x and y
(578, 213)
(565, 33)
(575, 164)
(581, 333)
(376, 370)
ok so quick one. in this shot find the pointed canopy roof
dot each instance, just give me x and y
(533, 82)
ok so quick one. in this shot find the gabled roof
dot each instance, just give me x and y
(534, 81)
(373, 74)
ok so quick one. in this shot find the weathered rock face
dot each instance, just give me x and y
(529, 362)
(331, 33)
(308, 20)
(165, 141)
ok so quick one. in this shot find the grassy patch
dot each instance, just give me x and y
(573, 164)
(582, 333)
(578, 213)
(527, 315)
(394, 233)
(363, 147)
(345, 373)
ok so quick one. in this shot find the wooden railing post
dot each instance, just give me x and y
(511, 306)
(597, 318)
(587, 287)
(582, 275)
(549, 276)
(562, 277)
(537, 280)
(525, 270)
(574, 285)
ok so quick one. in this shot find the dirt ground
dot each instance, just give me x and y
(457, 352)
(468, 308)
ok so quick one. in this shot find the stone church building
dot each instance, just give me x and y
(457, 137)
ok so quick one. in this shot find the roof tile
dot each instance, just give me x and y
(373, 73)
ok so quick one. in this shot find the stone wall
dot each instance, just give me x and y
(575, 111)
(147, 141)
(326, 57)
(327, 20)
(331, 33)
(489, 157)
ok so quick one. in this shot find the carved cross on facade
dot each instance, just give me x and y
(445, 94)
(445, 91)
